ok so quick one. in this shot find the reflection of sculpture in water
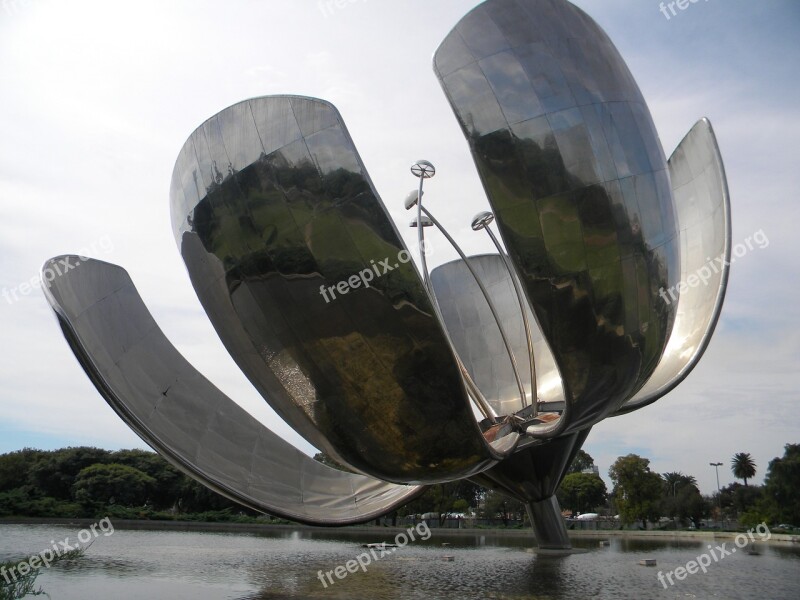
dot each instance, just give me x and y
(492, 368)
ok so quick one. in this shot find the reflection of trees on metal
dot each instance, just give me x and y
(272, 205)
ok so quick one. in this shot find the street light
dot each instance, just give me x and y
(716, 466)
(675, 504)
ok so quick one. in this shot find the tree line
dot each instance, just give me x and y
(91, 482)
(641, 495)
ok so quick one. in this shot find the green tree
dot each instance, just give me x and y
(637, 490)
(737, 498)
(197, 498)
(682, 498)
(691, 505)
(675, 480)
(782, 486)
(743, 466)
(445, 499)
(55, 472)
(37, 483)
(171, 482)
(581, 462)
(582, 492)
(102, 484)
(497, 505)
(15, 468)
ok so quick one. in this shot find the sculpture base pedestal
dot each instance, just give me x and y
(548, 524)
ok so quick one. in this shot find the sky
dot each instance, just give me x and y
(97, 98)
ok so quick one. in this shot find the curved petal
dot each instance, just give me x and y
(574, 171)
(476, 336)
(186, 418)
(703, 209)
(312, 291)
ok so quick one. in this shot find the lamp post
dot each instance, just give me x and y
(675, 504)
(716, 466)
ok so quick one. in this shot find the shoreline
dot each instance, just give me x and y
(201, 526)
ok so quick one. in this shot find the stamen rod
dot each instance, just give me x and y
(485, 293)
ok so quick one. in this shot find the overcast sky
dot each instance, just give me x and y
(97, 98)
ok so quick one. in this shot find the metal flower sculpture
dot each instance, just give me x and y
(492, 368)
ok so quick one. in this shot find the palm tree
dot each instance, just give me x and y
(677, 479)
(743, 466)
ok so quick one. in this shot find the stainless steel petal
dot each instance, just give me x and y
(578, 182)
(476, 336)
(703, 216)
(312, 291)
(186, 418)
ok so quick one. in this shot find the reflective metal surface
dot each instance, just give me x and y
(487, 298)
(532, 475)
(312, 291)
(477, 339)
(703, 216)
(314, 294)
(187, 419)
(482, 222)
(578, 182)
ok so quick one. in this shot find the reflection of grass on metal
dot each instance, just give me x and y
(13, 588)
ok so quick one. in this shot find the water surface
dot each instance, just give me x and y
(133, 564)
